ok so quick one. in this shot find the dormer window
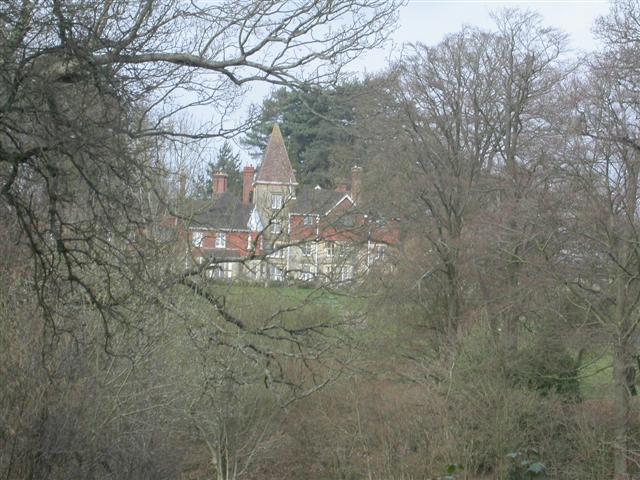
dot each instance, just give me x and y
(221, 240)
(276, 201)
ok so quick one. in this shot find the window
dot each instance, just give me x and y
(251, 272)
(276, 227)
(249, 242)
(306, 275)
(307, 249)
(346, 273)
(344, 250)
(308, 220)
(276, 201)
(221, 240)
(223, 270)
(331, 249)
(277, 252)
(197, 238)
(275, 273)
(380, 251)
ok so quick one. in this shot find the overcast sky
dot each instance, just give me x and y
(428, 21)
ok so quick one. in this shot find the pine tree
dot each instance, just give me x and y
(317, 126)
(225, 161)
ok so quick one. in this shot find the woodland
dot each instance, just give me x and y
(502, 340)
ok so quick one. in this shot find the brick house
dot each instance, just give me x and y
(279, 230)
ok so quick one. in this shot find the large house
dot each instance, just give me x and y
(280, 230)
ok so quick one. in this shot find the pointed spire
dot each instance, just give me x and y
(275, 166)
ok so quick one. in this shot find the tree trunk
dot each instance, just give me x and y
(453, 301)
(623, 361)
(622, 403)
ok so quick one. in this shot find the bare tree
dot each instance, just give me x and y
(603, 174)
(476, 132)
(528, 68)
(91, 95)
(90, 90)
(450, 122)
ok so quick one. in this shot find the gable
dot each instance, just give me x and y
(255, 224)
(344, 203)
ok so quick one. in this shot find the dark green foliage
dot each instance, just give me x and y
(453, 471)
(317, 126)
(546, 367)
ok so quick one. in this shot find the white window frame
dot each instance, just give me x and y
(346, 273)
(250, 245)
(197, 238)
(221, 240)
(276, 201)
(275, 273)
(307, 274)
(330, 248)
(344, 250)
(276, 227)
(308, 220)
(278, 252)
(223, 270)
(307, 249)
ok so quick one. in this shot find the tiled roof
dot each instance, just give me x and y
(275, 166)
(315, 201)
(226, 212)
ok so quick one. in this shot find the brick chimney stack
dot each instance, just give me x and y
(356, 183)
(247, 183)
(219, 184)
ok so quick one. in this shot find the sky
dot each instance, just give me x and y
(429, 21)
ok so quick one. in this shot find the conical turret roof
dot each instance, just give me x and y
(275, 166)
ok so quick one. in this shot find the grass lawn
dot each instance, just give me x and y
(260, 301)
(596, 378)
